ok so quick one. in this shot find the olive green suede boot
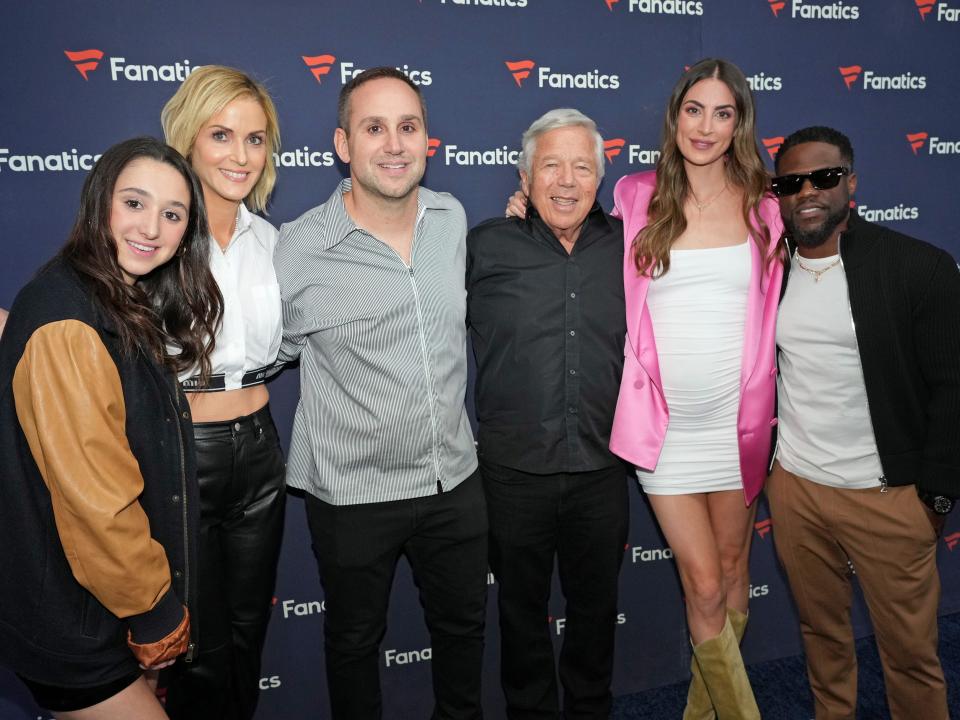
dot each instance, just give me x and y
(725, 677)
(699, 706)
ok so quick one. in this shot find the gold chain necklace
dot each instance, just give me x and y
(816, 273)
(701, 206)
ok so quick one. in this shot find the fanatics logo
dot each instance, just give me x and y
(612, 148)
(935, 146)
(520, 70)
(807, 10)
(485, 3)
(951, 540)
(546, 77)
(773, 145)
(68, 160)
(661, 7)
(453, 155)
(301, 609)
(84, 60)
(850, 74)
(399, 657)
(944, 11)
(763, 527)
(776, 6)
(319, 65)
(873, 81)
(916, 141)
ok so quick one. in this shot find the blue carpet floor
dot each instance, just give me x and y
(782, 691)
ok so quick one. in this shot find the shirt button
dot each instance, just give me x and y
(236, 426)
(177, 574)
(573, 372)
(186, 415)
(175, 498)
(573, 295)
(572, 333)
(572, 410)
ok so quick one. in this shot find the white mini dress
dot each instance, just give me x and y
(698, 311)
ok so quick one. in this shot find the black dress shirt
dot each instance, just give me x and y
(548, 332)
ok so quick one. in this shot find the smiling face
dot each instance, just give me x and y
(562, 182)
(149, 212)
(386, 145)
(706, 122)
(815, 217)
(230, 151)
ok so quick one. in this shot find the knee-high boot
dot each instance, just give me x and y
(725, 677)
(699, 705)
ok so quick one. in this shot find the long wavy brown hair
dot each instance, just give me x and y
(173, 313)
(745, 171)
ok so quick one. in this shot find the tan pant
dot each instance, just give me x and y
(892, 546)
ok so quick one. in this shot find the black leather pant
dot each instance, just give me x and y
(240, 469)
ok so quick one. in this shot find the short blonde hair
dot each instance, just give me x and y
(207, 91)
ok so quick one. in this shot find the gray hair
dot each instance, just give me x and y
(552, 120)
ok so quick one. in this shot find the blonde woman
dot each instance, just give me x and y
(225, 124)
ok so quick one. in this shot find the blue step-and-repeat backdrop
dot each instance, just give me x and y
(78, 77)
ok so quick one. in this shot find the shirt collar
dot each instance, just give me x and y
(245, 223)
(337, 221)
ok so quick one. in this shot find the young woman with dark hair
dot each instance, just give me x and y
(97, 497)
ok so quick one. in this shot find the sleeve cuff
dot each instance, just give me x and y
(157, 623)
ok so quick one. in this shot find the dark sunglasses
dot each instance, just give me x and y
(823, 179)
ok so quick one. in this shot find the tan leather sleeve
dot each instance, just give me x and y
(69, 402)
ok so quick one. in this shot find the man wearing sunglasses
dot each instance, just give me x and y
(868, 457)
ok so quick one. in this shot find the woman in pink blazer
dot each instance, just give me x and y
(702, 274)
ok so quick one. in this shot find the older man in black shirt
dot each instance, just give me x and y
(546, 314)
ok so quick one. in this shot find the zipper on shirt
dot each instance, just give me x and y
(883, 483)
(427, 375)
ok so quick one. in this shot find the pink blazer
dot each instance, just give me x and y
(642, 414)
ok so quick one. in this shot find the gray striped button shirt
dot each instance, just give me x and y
(382, 348)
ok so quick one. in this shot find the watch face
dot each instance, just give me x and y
(942, 505)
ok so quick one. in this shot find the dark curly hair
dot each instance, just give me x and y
(172, 313)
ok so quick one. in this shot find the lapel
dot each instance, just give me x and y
(640, 337)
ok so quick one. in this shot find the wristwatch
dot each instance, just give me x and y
(940, 504)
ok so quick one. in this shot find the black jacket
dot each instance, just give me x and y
(118, 496)
(905, 303)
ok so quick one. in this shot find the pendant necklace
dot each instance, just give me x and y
(816, 273)
(701, 206)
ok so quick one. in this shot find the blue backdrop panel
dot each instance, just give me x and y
(77, 79)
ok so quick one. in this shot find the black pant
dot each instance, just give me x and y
(581, 520)
(240, 469)
(444, 537)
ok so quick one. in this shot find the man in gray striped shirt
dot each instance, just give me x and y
(372, 283)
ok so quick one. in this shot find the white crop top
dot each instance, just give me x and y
(249, 338)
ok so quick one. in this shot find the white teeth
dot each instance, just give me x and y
(234, 175)
(141, 248)
(564, 201)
